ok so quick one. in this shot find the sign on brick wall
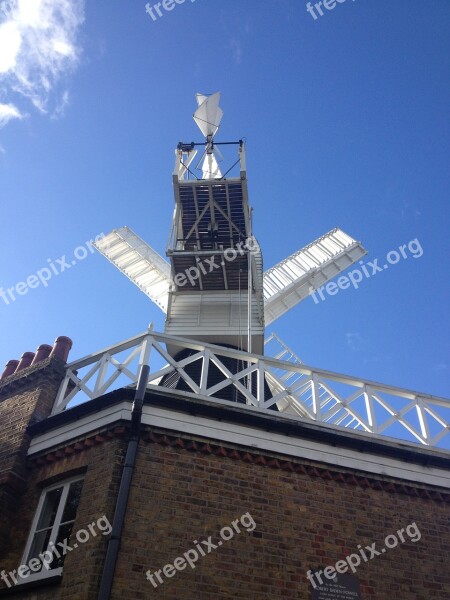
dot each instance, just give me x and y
(342, 587)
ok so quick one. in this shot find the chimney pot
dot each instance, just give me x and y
(25, 361)
(42, 352)
(10, 368)
(62, 347)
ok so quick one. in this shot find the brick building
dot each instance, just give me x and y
(186, 465)
(311, 495)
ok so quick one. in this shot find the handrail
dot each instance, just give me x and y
(296, 389)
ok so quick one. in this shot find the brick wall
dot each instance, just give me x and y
(304, 519)
(25, 399)
(100, 462)
(307, 515)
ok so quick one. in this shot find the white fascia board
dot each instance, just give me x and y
(262, 440)
(80, 427)
(250, 437)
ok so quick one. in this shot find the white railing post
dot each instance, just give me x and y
(260, 386)
(315, 397)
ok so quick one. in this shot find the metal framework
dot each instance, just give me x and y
(296, 389)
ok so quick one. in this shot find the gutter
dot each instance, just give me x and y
(112, 550)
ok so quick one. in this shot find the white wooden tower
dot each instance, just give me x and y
(216, 293)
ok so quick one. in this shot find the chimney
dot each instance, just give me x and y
(10, 368)
(60, 349)
(42, 352)
(25, 361)
(28, 389)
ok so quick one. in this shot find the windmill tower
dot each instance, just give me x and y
(214, 289)
(216, 293)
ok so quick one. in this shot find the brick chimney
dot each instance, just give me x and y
(28, 390)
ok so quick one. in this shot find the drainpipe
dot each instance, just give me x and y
(122, 499)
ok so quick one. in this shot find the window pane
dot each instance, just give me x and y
(49, 509)
(62, 528)
(73, 499)
(63, 534)
(40, 543)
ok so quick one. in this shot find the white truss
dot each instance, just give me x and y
(297, 390)
(295, 278)
(276, 348)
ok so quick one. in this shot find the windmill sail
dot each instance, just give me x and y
(139, 262)
(295, 278)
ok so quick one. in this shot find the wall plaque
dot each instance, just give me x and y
(342, 587)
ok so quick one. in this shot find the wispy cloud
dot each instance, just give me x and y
(236, 48)
(61, 107)
(38, 47)
(354, 341)
(397, 204)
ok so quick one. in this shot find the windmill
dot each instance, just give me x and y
(214, 289)
(218, 300)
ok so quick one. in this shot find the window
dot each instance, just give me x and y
(52, 524)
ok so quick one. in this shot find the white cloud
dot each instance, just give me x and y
(8, 112)
(10, 41)
(38, 47)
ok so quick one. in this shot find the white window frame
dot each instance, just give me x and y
(46, 573)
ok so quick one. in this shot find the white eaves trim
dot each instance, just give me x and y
(245, 436)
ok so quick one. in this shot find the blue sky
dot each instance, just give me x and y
(346, 122)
